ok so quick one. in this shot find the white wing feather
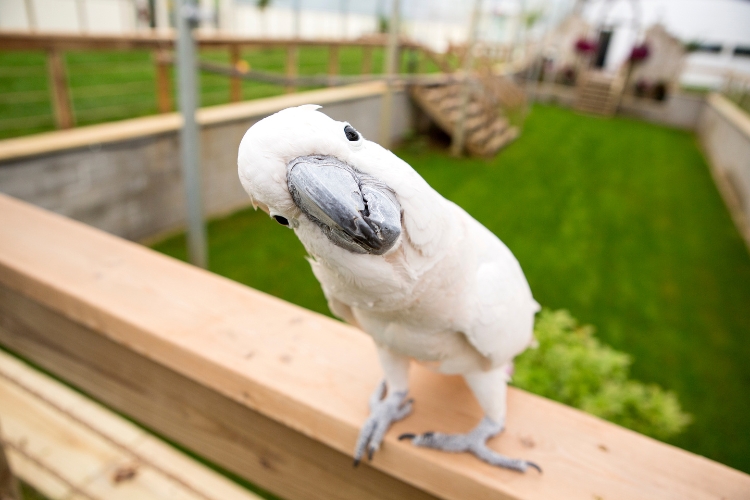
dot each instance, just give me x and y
(502, 307)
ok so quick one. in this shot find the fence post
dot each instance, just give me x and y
(59, 89)
(163, 81)
(8, 485)
(367, 60)
(391, 66)
(292, 66)
(235, 83)
(333, 64)
(422, 61)
(459, 132)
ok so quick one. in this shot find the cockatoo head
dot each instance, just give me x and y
(318, 175)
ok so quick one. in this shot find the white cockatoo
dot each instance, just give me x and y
(414, 271)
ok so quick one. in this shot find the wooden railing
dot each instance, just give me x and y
(162, 45)
(276, 394)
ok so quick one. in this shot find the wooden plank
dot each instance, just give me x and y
(235, 83)
(8, 485)
(277, 394)
(292, 66)
(26, 40)
(216, 427)
(58, 82)
(333, 63)
(163, 81)
(50, 142)
(96, 453)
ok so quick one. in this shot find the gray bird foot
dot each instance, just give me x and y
(472, 442)
(383, 412)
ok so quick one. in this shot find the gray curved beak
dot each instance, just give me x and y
(354, 210)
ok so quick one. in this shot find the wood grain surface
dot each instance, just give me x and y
(277, 394)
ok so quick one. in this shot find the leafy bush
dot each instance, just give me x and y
(571, 366)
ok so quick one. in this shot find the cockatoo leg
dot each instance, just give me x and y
(490, 390)
(388, 404)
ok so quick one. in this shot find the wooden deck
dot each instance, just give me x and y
(65, 445)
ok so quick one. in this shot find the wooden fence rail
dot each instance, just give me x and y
(276, 394)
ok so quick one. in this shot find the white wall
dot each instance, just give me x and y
(100, 16)
(119, 16)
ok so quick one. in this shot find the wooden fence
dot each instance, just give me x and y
(162, 44)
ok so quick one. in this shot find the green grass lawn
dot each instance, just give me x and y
(115, 85)
(617, 221)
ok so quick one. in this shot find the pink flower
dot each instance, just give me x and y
(584, 46)
(639, 53)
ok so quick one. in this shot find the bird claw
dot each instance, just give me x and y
(384, 410)
(473, 442)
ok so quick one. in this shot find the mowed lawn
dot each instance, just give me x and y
(617, 221)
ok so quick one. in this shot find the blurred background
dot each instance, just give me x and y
(606, 142)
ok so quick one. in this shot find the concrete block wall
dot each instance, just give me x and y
(724, 132)
(132, 186)
(680, 110)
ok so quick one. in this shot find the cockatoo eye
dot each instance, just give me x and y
(351, 134)
(281, 220)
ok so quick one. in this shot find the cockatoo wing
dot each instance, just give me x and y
(502, 307)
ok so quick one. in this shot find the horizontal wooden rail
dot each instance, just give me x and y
(24, 40)
(277, 394)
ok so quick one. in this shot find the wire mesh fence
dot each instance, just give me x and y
(108, 85)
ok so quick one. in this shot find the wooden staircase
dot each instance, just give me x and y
(486, 129)
(599, 93)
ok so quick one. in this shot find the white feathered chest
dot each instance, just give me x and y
(430, 308)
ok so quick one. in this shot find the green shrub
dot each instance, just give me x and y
(571, 366)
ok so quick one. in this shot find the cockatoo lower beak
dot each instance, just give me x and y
(355, 211)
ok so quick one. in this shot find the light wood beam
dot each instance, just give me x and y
(277, 394)
(163, 81)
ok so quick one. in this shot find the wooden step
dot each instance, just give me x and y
(496, 142)
(482, 124)
(474, 109)
(484, 134)
(476, 122)
(449, 103)
(437, 94)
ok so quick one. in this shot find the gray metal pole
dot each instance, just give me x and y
(297, 18)
(386, 109)
(187, 19)
(459, 135)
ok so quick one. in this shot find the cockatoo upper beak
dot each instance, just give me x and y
(355, 210)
